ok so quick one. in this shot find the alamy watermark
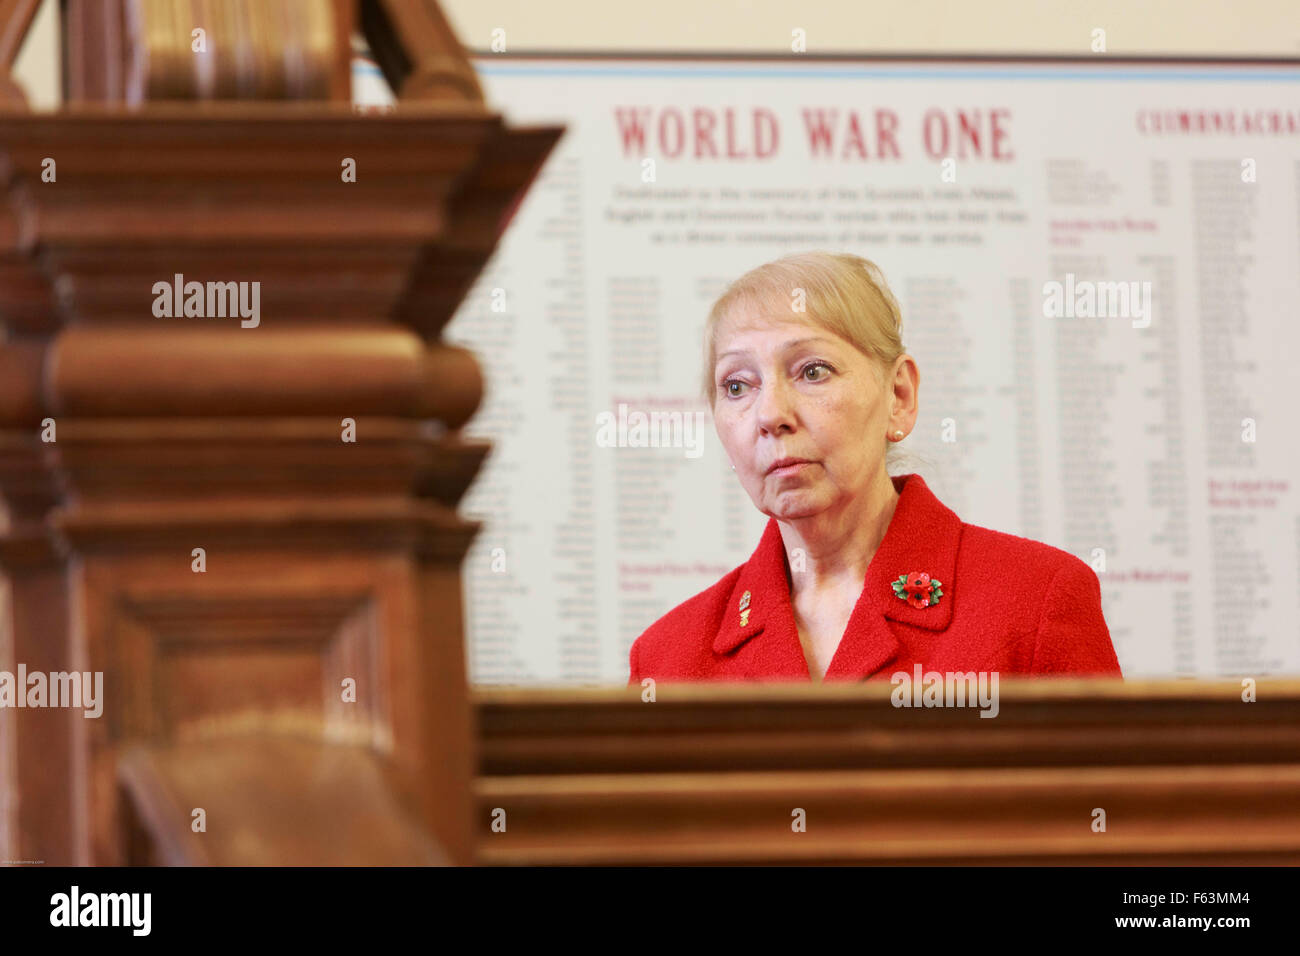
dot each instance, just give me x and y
(947, 689)
(75, 908)
(181, 299)
(82, 689)
(1098, 300)
(637, 429)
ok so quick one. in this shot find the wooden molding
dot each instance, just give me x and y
(1186, 772)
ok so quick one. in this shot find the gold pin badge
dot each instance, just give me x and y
(744, 609)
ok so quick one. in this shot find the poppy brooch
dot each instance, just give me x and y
(917, 589)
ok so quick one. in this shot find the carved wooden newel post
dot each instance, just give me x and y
(228, 446)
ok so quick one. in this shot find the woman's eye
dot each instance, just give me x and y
(733, 387)
(814, 365)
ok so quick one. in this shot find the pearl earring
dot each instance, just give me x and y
(898, 436)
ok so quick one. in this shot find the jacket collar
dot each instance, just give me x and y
(923, 535)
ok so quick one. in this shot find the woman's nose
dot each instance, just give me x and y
(775, 407)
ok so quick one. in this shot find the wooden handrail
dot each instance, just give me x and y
(1185, 772)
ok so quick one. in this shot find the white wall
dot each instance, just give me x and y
(37, 67)
(1163, 27)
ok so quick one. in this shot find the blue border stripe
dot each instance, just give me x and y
(1218, 74)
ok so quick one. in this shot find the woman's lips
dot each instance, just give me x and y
(791, 469)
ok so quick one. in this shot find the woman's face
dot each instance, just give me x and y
(786, 388)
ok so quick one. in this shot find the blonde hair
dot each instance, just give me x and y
(842, 293)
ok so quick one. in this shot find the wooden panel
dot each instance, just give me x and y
(267, 801)
(259, 639)
(1185, 772)
(50, 767)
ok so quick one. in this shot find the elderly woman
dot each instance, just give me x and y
(857, 575)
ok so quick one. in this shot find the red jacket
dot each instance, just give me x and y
(1009, 605)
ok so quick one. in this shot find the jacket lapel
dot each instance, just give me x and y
(923, 535)
(768, 627)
